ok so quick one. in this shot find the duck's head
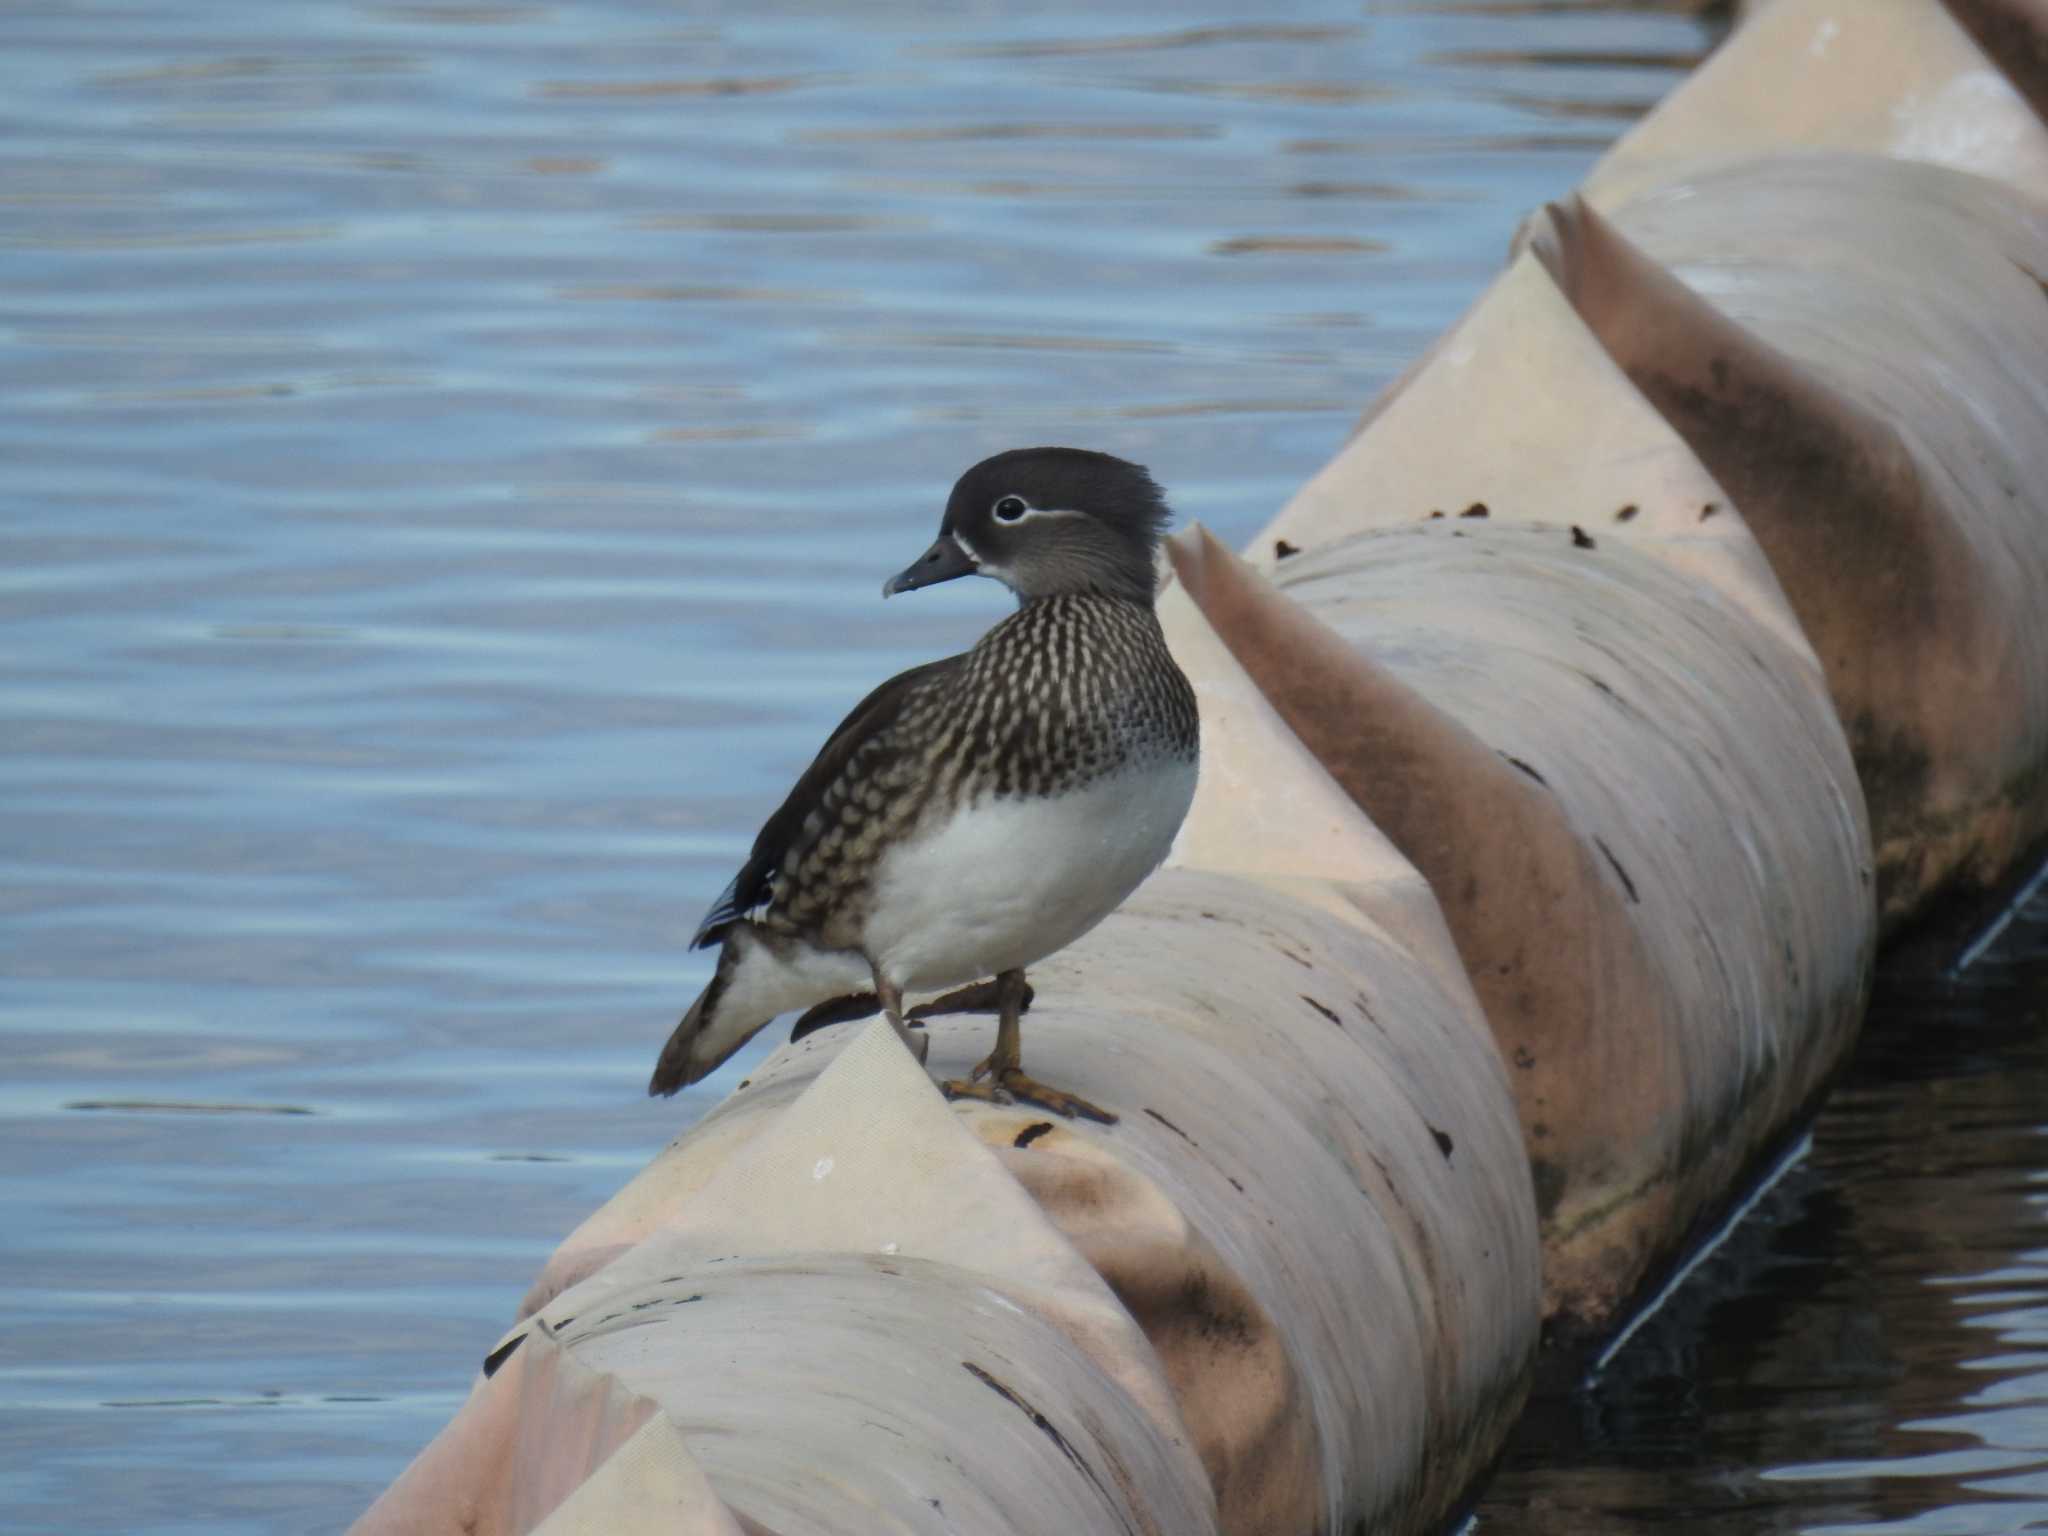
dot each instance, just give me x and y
(1047, 521)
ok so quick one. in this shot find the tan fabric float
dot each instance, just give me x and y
(1302, 1270)
(1530, 634)
(846, 1315)
(1853, 344)
(2015, 33)
(546, 1435)
(1874, 77)
(2012, 33)
(1889, 445)
(651, 1478)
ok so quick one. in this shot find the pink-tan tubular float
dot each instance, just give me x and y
(1529, 896)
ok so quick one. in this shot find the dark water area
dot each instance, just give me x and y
(1867, 1351)
(448, 457)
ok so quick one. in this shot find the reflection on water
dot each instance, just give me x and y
(451, 451)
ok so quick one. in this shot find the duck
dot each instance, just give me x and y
(978, 813)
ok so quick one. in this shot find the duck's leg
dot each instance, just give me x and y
(892, 1010)
(1001, 1075)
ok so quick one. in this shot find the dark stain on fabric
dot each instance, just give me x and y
(501, 1354)
(1326, 1012)
(1047, 1428)
(1183, 1135)
(1626, 883)
(1218, 1319)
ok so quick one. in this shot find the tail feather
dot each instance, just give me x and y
(672, 1070)
(756, 980)
(703, 1039)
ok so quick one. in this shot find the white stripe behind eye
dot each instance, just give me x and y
(1030, 512)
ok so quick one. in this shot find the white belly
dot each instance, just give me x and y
(1013, 880)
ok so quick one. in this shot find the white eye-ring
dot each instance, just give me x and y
(1011, 508)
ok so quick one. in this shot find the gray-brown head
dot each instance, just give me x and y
(1046, 521)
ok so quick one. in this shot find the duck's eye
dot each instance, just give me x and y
(1010, 508)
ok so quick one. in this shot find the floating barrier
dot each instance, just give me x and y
(1851, 337)
(1677, 620)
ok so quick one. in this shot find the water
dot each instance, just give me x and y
(450, 454)
(1869, 1352)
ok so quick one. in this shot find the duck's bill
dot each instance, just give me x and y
(942, 562)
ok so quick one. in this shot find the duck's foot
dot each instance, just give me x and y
(990, 1092)
(1008, 1085)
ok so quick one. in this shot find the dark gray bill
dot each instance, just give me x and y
(942, 562)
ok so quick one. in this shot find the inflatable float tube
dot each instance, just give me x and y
(1563, 740)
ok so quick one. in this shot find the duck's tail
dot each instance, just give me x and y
(708, 1033)
(756, 980)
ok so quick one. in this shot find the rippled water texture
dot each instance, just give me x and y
(1869, 1351)
(450, 453)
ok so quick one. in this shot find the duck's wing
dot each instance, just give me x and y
(751, 887)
